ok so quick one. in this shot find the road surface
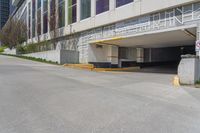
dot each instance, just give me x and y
(43, 98)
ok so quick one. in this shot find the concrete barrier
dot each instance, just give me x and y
(189, 69)
(60, 56)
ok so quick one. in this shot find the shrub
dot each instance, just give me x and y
(20, 49)
(34, 47)
(2, 49)
(198, 82)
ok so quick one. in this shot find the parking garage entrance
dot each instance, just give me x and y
(161, 60)
(156, 51)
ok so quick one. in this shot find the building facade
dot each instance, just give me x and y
(116, 33)
(4, 12)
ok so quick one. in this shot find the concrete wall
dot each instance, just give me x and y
(53, 55)
(68, 56)
(10, 51)
(97, 53)
(60, 56)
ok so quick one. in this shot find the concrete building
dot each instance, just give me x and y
(12, 8)
(117, 33)
(4, 12)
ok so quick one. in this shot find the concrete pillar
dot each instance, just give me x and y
(66, 12)
(78, 10)
(113, 55)
(140, 55)
(112, 4)
(189, 67)
(93, 8)
(198, 41)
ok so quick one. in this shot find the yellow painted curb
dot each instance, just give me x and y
(92, 68)
(176, 81)
(80, 66)
(116, 69)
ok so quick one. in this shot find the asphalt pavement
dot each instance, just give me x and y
(43, 98)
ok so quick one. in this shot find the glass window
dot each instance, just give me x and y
(29, 20)
(72, 13)
(53, 17)
(45, 5)
(102, 6)
(122, 2)
(33, 18)
(61, 14)
(85, 9)
(45, 16)
(39, 17)
(39, 4)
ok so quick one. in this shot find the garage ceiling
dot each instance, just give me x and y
(179, 37)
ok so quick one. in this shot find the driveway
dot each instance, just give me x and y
(43, 98)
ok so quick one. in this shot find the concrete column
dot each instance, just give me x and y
(198, 40)
(78, 10)
(93, 8)
(189, 67)
(140, 55)
(113, 55)
(112, 4)
(66, 12)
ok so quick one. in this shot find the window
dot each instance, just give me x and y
(102, 6)
(45, 16)
(39, 4)
(61, 15)
(29, 20)
(33, 18)
(72, 13)
(39, 17)
(122, 2)
(53, 16)
(85, 9)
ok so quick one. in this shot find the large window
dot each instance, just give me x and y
(61, 8)
(85, 9)
(72, 13)
(53, 16)
(33, 17)
(102, 6)
(122, 2)
(39, 17)
(29, 20)
(45, 16)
